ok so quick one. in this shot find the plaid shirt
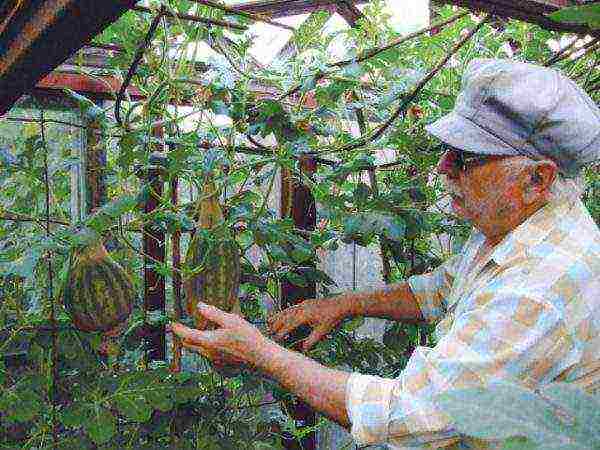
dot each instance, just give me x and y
(529, 311)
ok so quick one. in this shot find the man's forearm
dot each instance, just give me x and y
(394, 301)
(324, 389)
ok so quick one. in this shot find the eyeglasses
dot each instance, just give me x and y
(465, 160)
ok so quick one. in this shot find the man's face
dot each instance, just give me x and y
(486, 190)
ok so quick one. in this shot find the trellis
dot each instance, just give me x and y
(303, 204)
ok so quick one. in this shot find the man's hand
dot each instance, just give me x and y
(323, 315)
(239, 342)
(235, 342)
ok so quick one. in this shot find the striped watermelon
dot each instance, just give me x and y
(98, 294)
(218, 282)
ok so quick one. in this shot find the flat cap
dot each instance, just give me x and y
(513, 108)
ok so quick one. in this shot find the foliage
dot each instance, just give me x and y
(123, 400)
(584, 14)
(556, 416)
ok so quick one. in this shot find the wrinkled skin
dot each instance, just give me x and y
(238, 342)
(231, 344)
(499, 193)
(323, 315)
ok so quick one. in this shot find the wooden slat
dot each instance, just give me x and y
(37, 36)
(100, 87)
(526, 10)
(282, 8)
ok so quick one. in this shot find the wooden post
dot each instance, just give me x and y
(154, 248)
(299, 201)
(95, 164)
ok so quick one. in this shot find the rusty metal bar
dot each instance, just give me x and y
(532, 11)
(349, 12)
(154, 247)
(283, 8)
(39, 36)
(298, 203)
(110, 47)
(245, 14)
(176, 280)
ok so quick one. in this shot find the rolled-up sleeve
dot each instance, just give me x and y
(505, 335)
(431, 290)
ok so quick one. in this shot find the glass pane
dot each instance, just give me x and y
(64, 137)
(405, 16)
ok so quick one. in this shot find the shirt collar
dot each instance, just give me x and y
(531, 232)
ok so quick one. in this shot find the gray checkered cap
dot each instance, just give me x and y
(513, 108)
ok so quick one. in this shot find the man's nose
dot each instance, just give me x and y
(447, 164)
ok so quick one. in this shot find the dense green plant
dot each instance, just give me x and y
(125, 401)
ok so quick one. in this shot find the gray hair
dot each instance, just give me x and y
(564, 188)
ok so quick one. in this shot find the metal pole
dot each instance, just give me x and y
(154, 247)
(303, 212)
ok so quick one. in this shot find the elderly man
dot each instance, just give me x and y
(521, 301)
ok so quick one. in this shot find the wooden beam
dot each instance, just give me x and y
(37, 36)
(106, 87)
(283, 8)
(101, 87)
(533, 11)
(349, 12)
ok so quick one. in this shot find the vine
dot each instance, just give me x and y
(359, 118)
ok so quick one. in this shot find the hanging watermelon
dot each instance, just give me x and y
(218, 281)
(97, 293)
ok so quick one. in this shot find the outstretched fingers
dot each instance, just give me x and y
(317, 334)
(278, 320)
(217, 316)
(284, 325)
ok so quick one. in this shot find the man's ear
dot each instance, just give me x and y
(541, 177)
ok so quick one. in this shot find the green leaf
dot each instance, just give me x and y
(505, 410)
(584, 14)
(133, 406)
(106, 215)
(396, 338)
(353, 324)
(219, 107)
(69, 346)
(161, 398)
(361, 193)
(277, 252)
(75, 415)
(101, 426)
(25, 265)
(21, 406)
(295, 279)
(392, 228)
(208, 442)
(185, 394)
(301, 253)
(7, 159)
(87, 107)
(72, 442)
(519, 444)
(308, 84)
